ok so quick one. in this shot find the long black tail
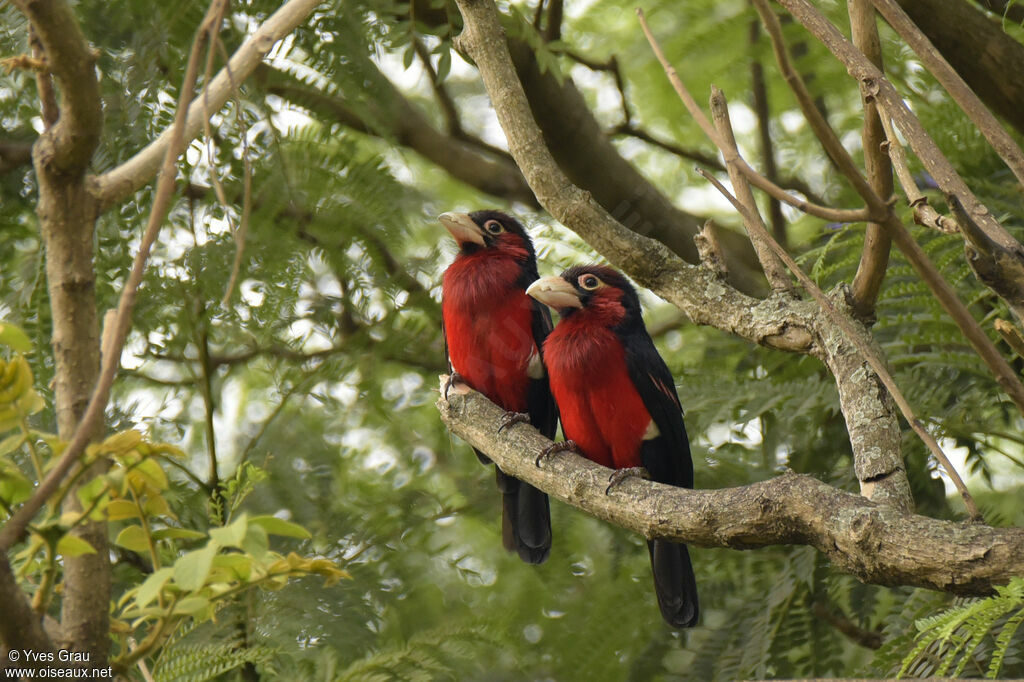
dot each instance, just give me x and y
(525, 519)
(674, 583)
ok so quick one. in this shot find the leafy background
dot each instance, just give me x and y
(322, 370)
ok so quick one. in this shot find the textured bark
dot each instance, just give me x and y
(870, 415)
(875, 543)
(67, 217)
(20, 627)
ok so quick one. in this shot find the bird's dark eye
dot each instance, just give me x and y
(493, 227)
(589, 282)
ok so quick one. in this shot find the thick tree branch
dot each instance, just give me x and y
(590, 160)
(20, 627)
(119, 322)
(867, 350)
(121, 182)
(697, 291)
(875, 543)
(61, 155)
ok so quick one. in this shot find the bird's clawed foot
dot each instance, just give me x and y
(453, 378)
(510, 418)
(555, 448)
(620, 475)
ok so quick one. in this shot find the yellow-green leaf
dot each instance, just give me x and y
(118, 510)
(191, 570)
(121, 442)
(14, 337)
(71, 546)
(11, 443)
(276, 526)
(191, 606)
(232, 534)
(157, 506)
(133, 538)
(155, 476)
(177, 534)
(14, 487)
(152, 585)
(256, 542)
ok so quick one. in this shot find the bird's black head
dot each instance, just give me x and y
(599, 293)
(488, 230)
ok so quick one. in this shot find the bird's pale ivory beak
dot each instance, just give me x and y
(555, 292)
(462, 228)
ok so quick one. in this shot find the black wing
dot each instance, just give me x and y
(540, 402)
(667, 456)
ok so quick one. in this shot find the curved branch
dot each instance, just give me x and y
(875, 543)
(117, 184)
(68, 145)
(591, 161)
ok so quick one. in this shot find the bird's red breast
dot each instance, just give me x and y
(600, 407)
(488, 325)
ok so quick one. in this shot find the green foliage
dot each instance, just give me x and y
(183, 585)
(968, 634)
(274, 441)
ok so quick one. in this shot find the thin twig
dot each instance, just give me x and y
(612, 67)
(855, 337)
(874, 258)
(762, 108)
(1011, 335)
(122, 181)
(242, 231)
(15, 526)
(924, 213)
(1007, 264)
(824, 212)
(770, 263)
(830, 142)
(875, 85)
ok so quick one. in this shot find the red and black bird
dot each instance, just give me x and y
(618, 404)
(494, 334)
